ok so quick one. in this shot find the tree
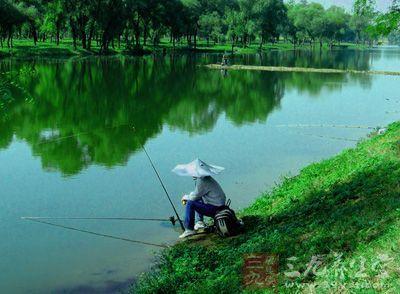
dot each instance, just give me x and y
(390, 21)
(247, 27)
(336, 24)
(34, 10)
(110, 20)
(239, 21)
(270, 14)
(12, 16)
(80, 12)
(210, 26)
(233, 20)
(54, 19)
(364, 13)
(309, 20)
(292, 31)
(174, 18)
(394, 38)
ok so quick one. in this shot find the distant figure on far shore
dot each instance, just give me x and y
(225, 61)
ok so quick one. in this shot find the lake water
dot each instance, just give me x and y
(67, 148)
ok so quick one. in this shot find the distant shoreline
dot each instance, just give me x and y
(26, 49)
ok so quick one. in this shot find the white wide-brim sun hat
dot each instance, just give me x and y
(197, 168)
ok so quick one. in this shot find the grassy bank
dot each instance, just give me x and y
(26, 49)
(346, 210)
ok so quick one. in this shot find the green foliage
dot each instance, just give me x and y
(311, 22)
(11, 18)
(394, 38)
(336, 23)
(345, 208)
(271, 15)
(211, 26)
(388, 22)
(135, 23)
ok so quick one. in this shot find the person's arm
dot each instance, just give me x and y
(199, 192)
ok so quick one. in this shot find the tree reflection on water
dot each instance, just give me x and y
(81, 112)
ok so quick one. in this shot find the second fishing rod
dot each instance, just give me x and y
(152, 165)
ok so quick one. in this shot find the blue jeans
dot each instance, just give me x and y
(193, 207)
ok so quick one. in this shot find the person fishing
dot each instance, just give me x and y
(225, 61)
(207, 198)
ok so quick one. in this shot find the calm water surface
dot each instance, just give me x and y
(67, 148)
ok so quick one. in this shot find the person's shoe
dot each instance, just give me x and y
(187, 233)
(199, 226)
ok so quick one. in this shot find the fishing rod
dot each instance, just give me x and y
(96, 233)
(162, 185)
(147, 155)
(170, 219)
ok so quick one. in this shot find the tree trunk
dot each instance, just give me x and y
(58, 36)
(83, 39)
(137, 38)
(91, 32)
(34, 34)
(82, 24)
(127, 43)
(145, 34)
(73, 31)
(9, 44)
(104, 43)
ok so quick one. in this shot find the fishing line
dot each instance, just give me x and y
(96, 234)
(170, 219)
(147, 155)
(396, 101)
(62, 138)
(329, 137)
(324, 126)
(46, 141)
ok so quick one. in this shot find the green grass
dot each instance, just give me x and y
(346, 209)
(25, 48)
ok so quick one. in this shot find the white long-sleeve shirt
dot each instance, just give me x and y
(209, 191)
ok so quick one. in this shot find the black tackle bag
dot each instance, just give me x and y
(226, 222)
